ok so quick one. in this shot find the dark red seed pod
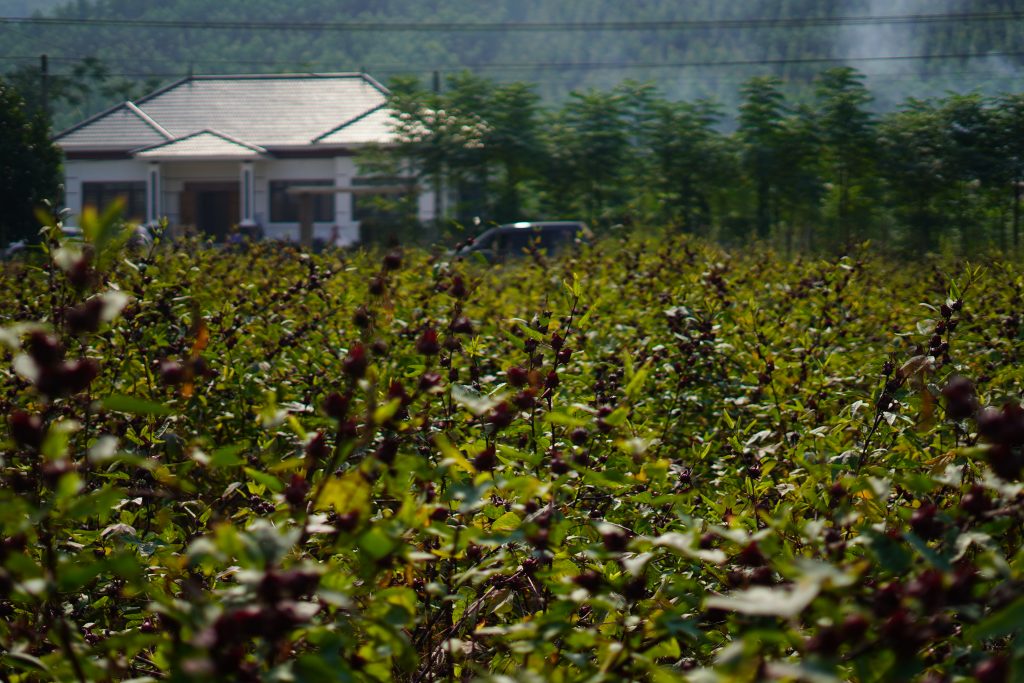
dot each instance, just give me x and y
(615, 540)
(486, 459)
(579, 436)
(589, 580)
(925, 523)
(458, 287)
(45, 349)
(517, 376)
(751, 556)
(26, 429)
(428, 381)
(361, 318)
(355, 362)
(85, 317)
(976, 501)
(77, 375)
(393, 260)
(525, 399)
(347, 521)
(317, 450)
(172, 373)
(501, 415)
(387, 450)
(427, 344)
(377, 286)
(462, 325)
(295, 492)
(336, 405)
(993, 670)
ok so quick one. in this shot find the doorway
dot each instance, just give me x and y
(213, 208)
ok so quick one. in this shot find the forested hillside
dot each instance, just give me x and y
(701, 48)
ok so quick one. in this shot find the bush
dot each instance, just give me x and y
(650, 460)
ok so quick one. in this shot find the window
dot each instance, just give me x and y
(101, 195)
(284, 207)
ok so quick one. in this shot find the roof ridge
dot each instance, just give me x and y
(148, 119)
(204, 131)
(352, 120)
(289, 74)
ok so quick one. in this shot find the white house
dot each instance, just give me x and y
(211, 152)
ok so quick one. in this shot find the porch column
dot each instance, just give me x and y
(247, 195)
(154, 208)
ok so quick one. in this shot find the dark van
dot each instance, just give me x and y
(517, 239)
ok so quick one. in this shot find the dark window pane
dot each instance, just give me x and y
(101, 195)
(284, 207)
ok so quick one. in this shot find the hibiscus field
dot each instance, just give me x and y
(649, 460)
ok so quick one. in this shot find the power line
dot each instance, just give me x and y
(670, 25)
(541, 66)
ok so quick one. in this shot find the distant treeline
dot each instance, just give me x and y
(817, 174)
(693, 49)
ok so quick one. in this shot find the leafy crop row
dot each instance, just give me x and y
(650, 460)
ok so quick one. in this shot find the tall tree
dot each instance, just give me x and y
(691, 162)
(915, 164)
(512, 141)
(846, 129)
(589, 149)
(761, 135)
(29, 166)
(1009, 129)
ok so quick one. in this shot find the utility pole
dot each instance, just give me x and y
(44, 77)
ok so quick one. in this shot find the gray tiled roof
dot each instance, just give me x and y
(119, 128)
(375, 126)
(265, 110)
(207, 143)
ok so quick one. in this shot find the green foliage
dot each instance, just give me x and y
(649, 460)
(29, 167)
(564, 59)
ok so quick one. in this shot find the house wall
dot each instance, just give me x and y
(77, 171)
(174, 175)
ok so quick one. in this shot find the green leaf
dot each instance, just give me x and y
(451, 454)
(22, 661)
(268, 480)
(227, 456)
(134, 406)
(507, 522)
(376, 543)
(1008, 620)
(386, 411)
(349, 492)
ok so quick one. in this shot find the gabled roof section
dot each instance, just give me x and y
(124, 126)
(265, 110)
(205, 144)
(373, 126)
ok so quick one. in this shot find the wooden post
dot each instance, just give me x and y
(306, 219)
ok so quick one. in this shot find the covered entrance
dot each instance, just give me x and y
(212, 207)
